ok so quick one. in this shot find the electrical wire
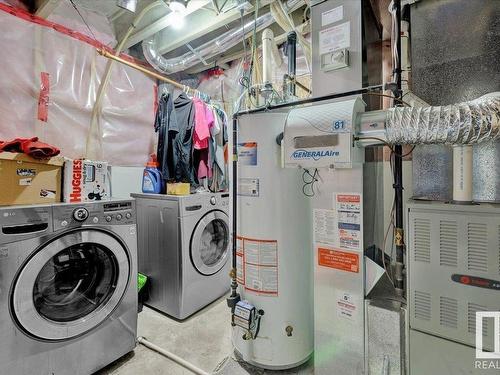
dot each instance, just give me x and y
(388, 96)
(309, 184)
(388, 145)
(83, 19)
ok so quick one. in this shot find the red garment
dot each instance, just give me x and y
(31, 147)
(16, 145)
(40, 150)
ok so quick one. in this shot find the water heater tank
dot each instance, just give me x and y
(274, 255)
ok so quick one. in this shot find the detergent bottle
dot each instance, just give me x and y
(151, 178)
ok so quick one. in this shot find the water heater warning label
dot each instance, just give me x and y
(257, 265)
(248, 187)
(341, 260)
(349, 219)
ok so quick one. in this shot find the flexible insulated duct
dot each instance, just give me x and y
(207, 50)
(463, 123)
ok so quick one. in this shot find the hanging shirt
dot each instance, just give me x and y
(216, 155)
(204, 120)
(167, 127)
(183, 143)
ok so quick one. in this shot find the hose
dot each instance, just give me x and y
(141, 340)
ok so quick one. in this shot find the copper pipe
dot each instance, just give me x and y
(143, 70)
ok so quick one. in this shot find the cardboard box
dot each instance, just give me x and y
(85, 180)
(24, 180)
(178, 188)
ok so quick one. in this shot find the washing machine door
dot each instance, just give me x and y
(210, 243)
(70, 285)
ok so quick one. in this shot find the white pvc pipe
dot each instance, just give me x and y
(462, 173)
(172, 356)
(267, 53)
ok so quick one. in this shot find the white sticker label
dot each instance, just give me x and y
(248, 187)
(346, 306)
(247, 153)
(260, 266)
(332, 15)
(25, 181)
(335, 38)
(349, 220)
(325, 227)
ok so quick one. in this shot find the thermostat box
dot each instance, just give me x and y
(25, 180)
(85, 180)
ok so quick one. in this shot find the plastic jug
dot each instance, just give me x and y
(151, 178)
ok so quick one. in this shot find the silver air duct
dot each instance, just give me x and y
(457, 124)
(207, 50)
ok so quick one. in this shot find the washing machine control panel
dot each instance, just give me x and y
(98, 213)
(80, 214)
(23, 222)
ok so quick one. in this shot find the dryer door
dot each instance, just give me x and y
(210, 242)
(70, 285)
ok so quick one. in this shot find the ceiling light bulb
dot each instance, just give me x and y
(178, 6)
(177, 20)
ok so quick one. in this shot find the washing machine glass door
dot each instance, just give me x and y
(71, 285)
(210, 242)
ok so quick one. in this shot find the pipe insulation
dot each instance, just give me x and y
(209, 49)
(267, 43)
(464, 123)
(462, 173)
(172, 356)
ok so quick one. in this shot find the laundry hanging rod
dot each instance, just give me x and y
(146, 71)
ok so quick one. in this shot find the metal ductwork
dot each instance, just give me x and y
(206, 50)
(464, 123)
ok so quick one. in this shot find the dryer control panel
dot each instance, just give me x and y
(102, 213)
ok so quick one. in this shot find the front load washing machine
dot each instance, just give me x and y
(68, 287)
(184, 250)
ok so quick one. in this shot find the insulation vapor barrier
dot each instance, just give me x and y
(463, 123)
(49, 83)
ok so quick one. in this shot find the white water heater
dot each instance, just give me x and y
(273, 324)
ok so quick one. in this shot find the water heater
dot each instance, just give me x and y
(273, 322)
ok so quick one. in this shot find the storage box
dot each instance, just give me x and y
(85, 180)
(24, 180)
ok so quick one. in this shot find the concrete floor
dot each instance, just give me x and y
(203, 339)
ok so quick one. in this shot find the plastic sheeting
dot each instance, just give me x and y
(74, 70)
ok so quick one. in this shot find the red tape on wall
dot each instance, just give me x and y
(43, 98)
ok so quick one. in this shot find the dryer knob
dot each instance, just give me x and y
(213, 201)
(119, 217)
(80, 214)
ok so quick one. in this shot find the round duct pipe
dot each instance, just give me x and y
(207, 50)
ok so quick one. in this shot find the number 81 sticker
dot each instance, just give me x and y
(339, 126)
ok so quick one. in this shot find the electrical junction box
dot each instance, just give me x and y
(322, 135)
(244, 315)
(335, 60)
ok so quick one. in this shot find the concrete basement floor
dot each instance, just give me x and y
(204, 339)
